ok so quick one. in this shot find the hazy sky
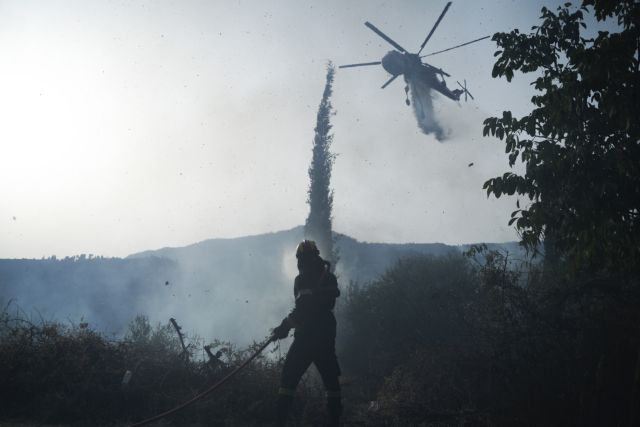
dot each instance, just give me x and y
(133, 125)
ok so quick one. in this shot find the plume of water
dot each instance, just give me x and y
(422, 102)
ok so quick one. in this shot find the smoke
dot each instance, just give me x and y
(423, 109)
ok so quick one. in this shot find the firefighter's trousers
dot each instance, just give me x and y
(315, 344)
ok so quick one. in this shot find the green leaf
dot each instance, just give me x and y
(581, 135)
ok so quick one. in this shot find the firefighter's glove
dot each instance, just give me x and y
(281, 331)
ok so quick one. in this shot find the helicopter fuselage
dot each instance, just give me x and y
(395, 63)
(412, 68)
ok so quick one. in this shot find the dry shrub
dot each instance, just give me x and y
(73, 375)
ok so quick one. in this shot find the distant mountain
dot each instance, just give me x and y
(230, 289)
(358, 261)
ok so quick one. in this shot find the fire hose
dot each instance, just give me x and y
(208, 390)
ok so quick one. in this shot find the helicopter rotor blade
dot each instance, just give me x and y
(455, 47)
(362, 64)
(434, 27)
(389, 81)
(384, 36)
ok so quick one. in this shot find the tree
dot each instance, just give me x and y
(320, 199)
(581, 143)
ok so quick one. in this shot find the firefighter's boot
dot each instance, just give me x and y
(282, 409)
(334, 410)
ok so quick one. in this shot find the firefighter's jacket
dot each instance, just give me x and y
(315, 293)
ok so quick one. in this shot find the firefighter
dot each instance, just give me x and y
(315, 290)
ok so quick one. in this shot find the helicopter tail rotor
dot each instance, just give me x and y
(466, 91)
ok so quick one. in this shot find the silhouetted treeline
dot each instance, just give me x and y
(479, 340)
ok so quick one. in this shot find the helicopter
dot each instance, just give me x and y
(418, 74)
